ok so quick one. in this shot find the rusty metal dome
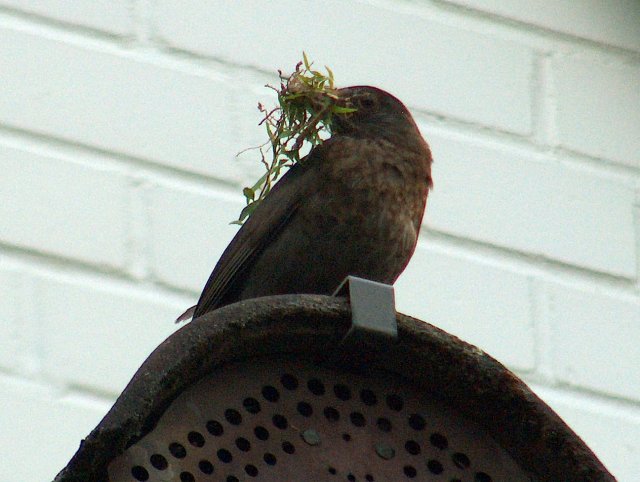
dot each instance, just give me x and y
(270, 389)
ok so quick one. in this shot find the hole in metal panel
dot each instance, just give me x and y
(159, 462)
(187, 477)
(368, 397)
(384, 424)
(233, 416)
(417, 422)
(410, 471)
(243, 444)
(261, 433)
(205, 467)
(251, 470)
(196, 439)
(270, 393)
(177, 450)
(438, 440)
(342, 392)
(289, 381)
(305, 409)
(251, 405)
(215, 428)
(412, 447)
(331, 414)
(224, 455)
(395, 402)
(482, 477)
(358, 419)
(139, 473)
(280, 421)
(435, 467)
(316, 386)
(461, 460)
(288, 447)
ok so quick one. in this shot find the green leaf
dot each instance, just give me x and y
(330, 72)
(301, 120)
(260, 182)
(249, 193)
(245, 213)
(338, 109)
(307, 65)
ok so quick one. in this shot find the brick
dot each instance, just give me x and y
(20, 331)
(189, 231)
(611, 23)
(416, 59)
(532, 204)
(611, 432)
(111, 16)
(62, 207)
(44, 431)
(97, 335)
(482, 304)
(598, 110)
(116, 103)
(9, 328)
(595, 340)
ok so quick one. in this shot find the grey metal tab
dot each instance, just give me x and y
(373, 310)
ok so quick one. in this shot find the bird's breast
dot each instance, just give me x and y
(371, 202)
(376, 179)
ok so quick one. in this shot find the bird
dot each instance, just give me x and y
(353, 206)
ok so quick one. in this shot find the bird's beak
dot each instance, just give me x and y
(343, 97)
(342, 121)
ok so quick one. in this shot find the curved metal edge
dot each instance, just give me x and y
(310, 327)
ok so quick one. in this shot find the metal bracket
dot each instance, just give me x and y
(373, 309)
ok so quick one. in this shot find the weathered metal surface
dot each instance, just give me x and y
(307, 328)
(280, 420)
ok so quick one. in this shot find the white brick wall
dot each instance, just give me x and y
(57, 206)
(177, 241)
(119, 122)
(605, 99)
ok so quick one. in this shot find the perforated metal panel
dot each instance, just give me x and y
(278, 420)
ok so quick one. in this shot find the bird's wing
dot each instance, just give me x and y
(270, 217)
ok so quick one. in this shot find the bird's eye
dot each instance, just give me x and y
(366, 102)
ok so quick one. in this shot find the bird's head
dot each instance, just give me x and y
(377, 113)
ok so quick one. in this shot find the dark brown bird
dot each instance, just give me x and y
(353, 206)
